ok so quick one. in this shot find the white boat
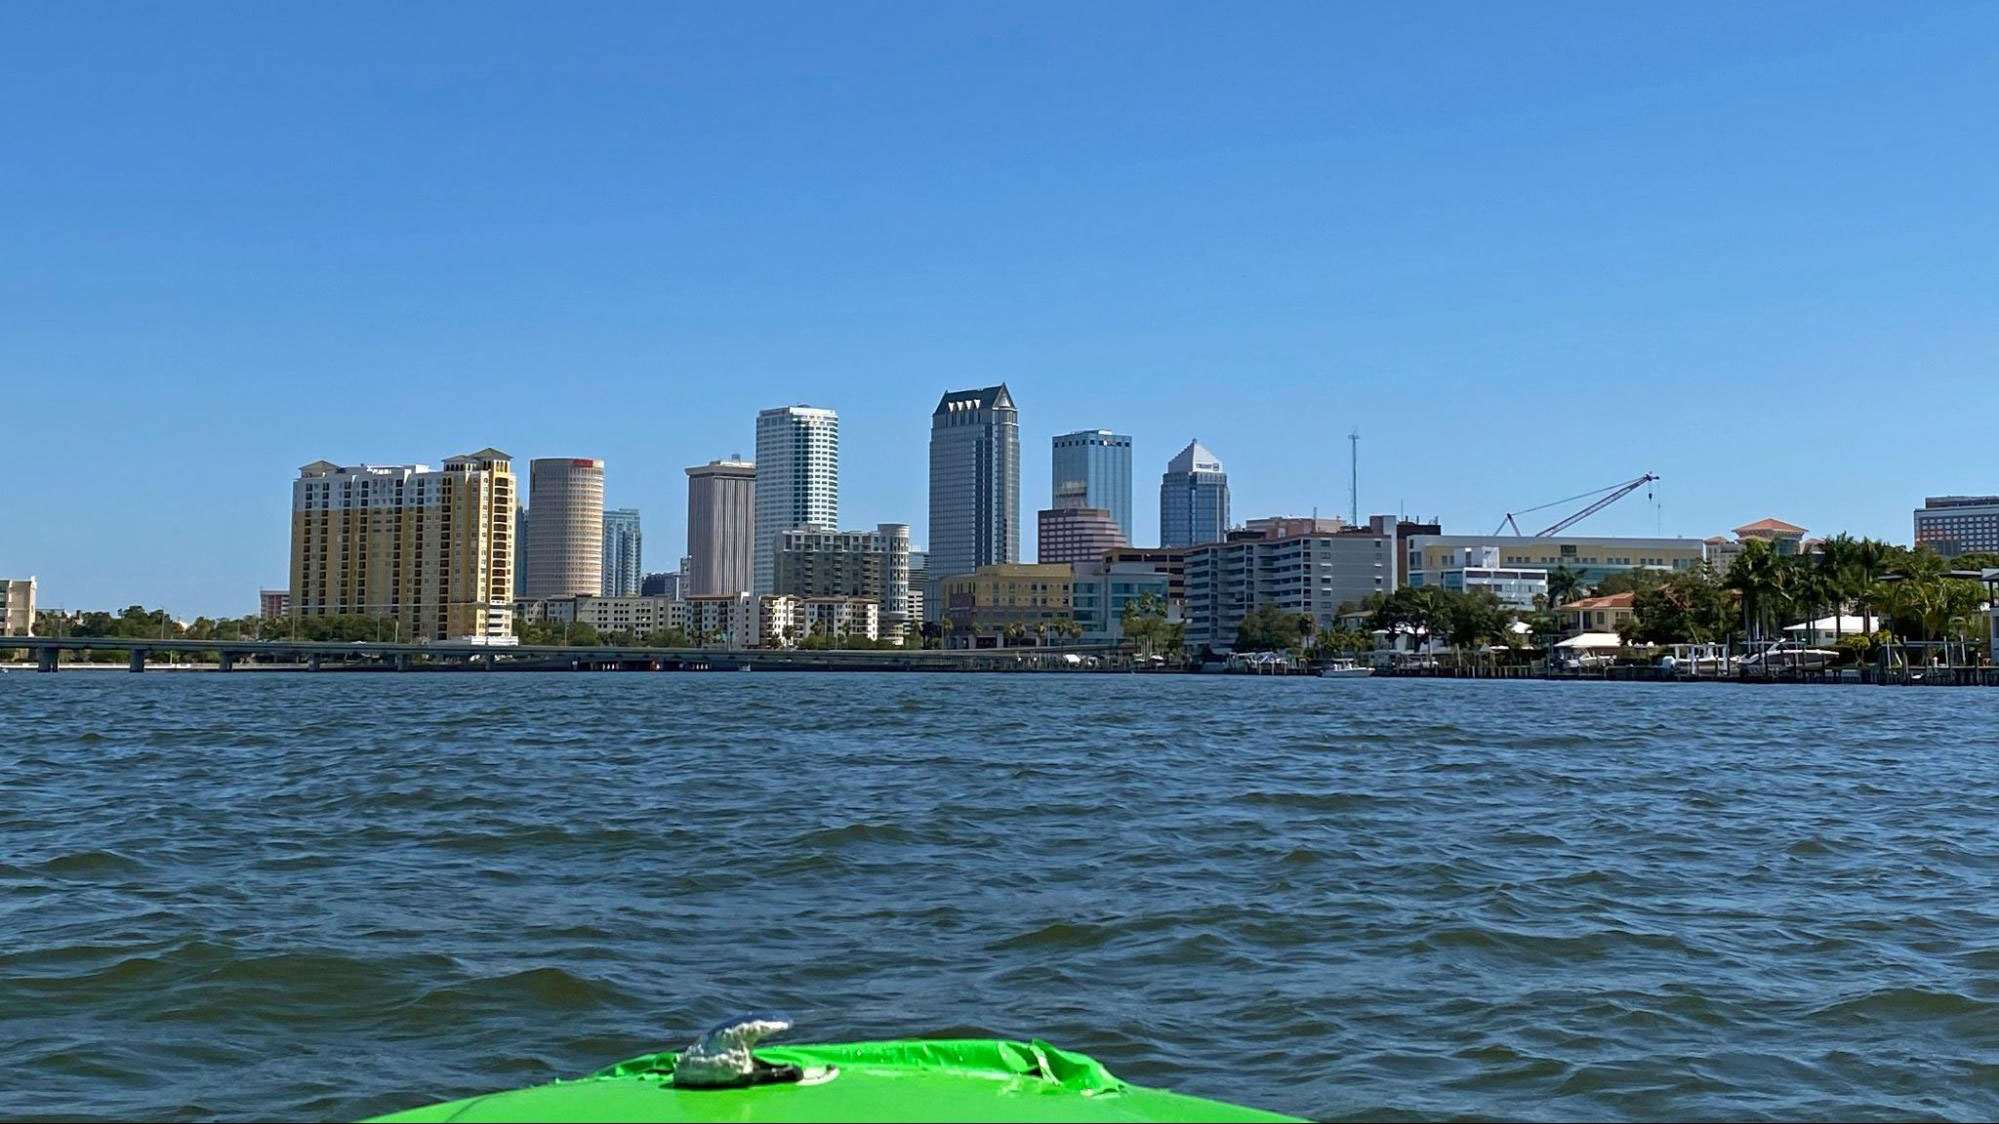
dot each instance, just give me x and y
(1789, 654)
(1344, 669)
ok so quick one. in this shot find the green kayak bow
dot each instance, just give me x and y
(720, 1077)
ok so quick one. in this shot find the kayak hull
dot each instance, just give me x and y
(914, 1080)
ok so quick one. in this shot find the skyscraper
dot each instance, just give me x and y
(622, 542)
(1099, 462)
(1193, 498)
(564, 541)
(822, 562)
(974, 485)
(429, 549)
(798, 479)
(721, 526)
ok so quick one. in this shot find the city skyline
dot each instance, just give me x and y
(1341, 218)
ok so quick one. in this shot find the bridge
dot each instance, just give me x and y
(327, 655)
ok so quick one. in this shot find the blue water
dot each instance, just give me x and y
(324, 896)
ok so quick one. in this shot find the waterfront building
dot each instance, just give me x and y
(672, 583)
(981, 607)
(1170, 561)
(1102, 589)
(1784, 538)
(1597, 614)
(974, 485)
(1953, 525)
(919, 576)
(797, 481)
(1098, 462)
(1193, 498)
(274, 604)
(1593, 556)
(721, 527)
(722, 620)
(1478, 568)
(1313, 573)
(622, 551)
(822, 562)
(431, 549)
(564, 539)
(1073, 532)
(638, 615)
(784, 620)
(17, 606)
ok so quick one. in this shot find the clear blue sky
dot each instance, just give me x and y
(1527, 249)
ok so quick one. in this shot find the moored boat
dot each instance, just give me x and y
(1344, 669)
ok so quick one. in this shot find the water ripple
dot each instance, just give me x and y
(327, 896)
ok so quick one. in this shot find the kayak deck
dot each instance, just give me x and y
(978, 1079)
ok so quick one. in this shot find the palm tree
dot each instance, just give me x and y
(1563, 584)
(1755, 576)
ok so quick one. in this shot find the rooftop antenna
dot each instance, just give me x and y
(1353, 477)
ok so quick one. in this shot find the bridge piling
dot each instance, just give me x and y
(138, 662)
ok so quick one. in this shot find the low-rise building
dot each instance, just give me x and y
(1313, 573)
(1006, 604)
(1101, 591)
(1784, 538)
(1168, 560)
(784, 620)
(723, 620)
(17, 606)
(1953, 525)
(1477, 568)
(1595, 557)
(1597, 614)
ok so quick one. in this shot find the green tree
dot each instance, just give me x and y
(1564, 585)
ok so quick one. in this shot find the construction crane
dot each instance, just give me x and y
(1604, 498)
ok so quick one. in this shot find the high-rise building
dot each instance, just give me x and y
(1953, 525)
(622, 542)
(564, 543)
(798, 480)
(1099, 462)
(1193, 498)
(1312, 573)
(520, 560)
(974, 485)
(17, 606)
(670, 584)
(822, 562)
(919, 577)
(1072, 532)
(274, 604)
(721, 527)
(431, 549)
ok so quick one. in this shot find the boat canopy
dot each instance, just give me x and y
(1590, 640)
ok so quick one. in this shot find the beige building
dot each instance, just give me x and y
(17, 606)
(723, 620)
(1595, 556)
(432, 549)
(1598, 614)
(721, 526)
(563, 542)
(980, 606)
(638, 615)
(784, 620)
(1784, 538)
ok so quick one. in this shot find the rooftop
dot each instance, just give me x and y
(1769, 526)
(1614, 601)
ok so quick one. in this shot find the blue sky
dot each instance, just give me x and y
(1526, 249)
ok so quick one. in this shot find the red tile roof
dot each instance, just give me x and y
(1614, 601)
(1777, 525)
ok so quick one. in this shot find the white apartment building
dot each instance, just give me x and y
(797, 480)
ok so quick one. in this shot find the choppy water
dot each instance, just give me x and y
(327, 896)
